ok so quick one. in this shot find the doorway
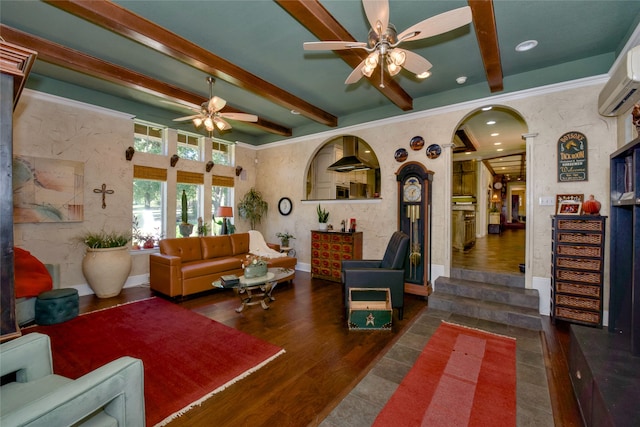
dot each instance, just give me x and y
(490, 154)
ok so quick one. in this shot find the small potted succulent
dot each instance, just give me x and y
(323, 218)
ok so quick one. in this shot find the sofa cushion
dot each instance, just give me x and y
(215, 246)
(187, 248)
(210, 266)
(240, 243)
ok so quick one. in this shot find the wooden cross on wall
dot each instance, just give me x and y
(104, 192)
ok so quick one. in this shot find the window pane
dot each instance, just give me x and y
(189, 146)
(148, 209)
(222, 153)
(148, 138)
(193, 193)
(222, 196)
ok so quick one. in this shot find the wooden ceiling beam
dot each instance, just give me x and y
(312, 15)
(123, 22)
(484, 22)
(72, 59)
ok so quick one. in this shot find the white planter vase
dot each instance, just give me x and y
(322, 226)
(107, 270)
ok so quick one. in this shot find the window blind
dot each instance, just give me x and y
(147, 172)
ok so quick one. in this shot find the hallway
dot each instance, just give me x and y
(500, 253)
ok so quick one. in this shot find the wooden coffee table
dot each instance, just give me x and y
(257, 290)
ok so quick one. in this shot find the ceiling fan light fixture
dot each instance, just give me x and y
(208, 124)
(220, 124)
(393, 68)
(197, 122)
(397, 57)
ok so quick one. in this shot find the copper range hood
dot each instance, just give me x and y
(350, 160)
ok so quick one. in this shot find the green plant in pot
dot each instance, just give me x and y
(252, 207)
(284, 238)
(185, 228)
(107, 261)
(323, 218)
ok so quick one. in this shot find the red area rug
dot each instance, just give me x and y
(187, 357)
(464, 377)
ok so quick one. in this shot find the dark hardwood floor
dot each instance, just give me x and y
(323, 359)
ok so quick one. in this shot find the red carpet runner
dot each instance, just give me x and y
(464, 377)
(187, 357)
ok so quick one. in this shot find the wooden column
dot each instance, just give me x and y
(15, 64)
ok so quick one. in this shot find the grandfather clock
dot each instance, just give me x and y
(414, 219)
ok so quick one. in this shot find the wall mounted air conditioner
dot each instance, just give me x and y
(622, 90)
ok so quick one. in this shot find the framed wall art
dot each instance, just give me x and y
(561, 198)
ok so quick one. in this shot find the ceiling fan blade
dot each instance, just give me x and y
(243, 117)
(377, 12)
(182, 119)
(221, 124)
(415, 63)
(438, 24)
(216, 104)
(337, 45)
(355, 75)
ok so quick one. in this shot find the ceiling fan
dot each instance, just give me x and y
(383, 41)
(210, 116)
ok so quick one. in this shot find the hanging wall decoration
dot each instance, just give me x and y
(416, 143)
(572, 157)
(434, 151)
(401, 155)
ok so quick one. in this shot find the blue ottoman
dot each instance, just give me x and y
(56, 306)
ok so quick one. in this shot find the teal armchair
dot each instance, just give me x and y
(112, 395)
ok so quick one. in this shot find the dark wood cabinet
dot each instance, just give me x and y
(577, 268)
(624, 267)
(464, 178)
(329, 248)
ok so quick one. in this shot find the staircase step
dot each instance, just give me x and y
(514, 280)
(521, 297)
(521, 317)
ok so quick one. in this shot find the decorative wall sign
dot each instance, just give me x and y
(433, 151)
(564, 198)
(401, 155)
(416, 143)
(572, 157)
(47, 190)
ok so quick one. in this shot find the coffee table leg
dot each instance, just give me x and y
(272, 287)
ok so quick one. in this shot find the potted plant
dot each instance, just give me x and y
(107, 261)
(252, 207)
(254, 266)
(284, 238)
(494, 215)
(144, 240)
(323, 217)
(185, 228)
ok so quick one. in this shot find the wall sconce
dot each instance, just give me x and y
(238, 170)
(129, 153)
(174, 160)
(209, 165)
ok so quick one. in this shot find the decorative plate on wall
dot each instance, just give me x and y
(417, 142)
(401, 155)
(433, 151)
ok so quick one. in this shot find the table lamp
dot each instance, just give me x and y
(224, 212)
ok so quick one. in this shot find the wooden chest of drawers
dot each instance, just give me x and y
(577, 263)
(329, 248)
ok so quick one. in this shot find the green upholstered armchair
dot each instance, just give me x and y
(112, 395)
(385, 273)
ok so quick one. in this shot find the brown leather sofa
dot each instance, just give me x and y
(189, 265)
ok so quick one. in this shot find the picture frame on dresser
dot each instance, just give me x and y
(569, 207)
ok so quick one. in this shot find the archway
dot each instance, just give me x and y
(488, 206)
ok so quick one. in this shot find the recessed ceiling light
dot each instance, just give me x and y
(487, 108)
(491, 122)
(467, 152)
(526, 45)
(461, 80)
(423, 75)
(504, 167)
(295, 112)
(495, 134)
(497, 143)
(500, 149)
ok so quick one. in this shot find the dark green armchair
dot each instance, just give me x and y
(385, 273)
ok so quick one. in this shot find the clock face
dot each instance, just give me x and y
(497, 185)
(412, 190)
(285, 206)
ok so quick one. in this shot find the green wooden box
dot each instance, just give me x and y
(370, 309)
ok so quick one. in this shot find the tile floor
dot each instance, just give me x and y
(501, 253)
(362, 405)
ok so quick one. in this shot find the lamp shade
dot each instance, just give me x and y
(224, 212)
